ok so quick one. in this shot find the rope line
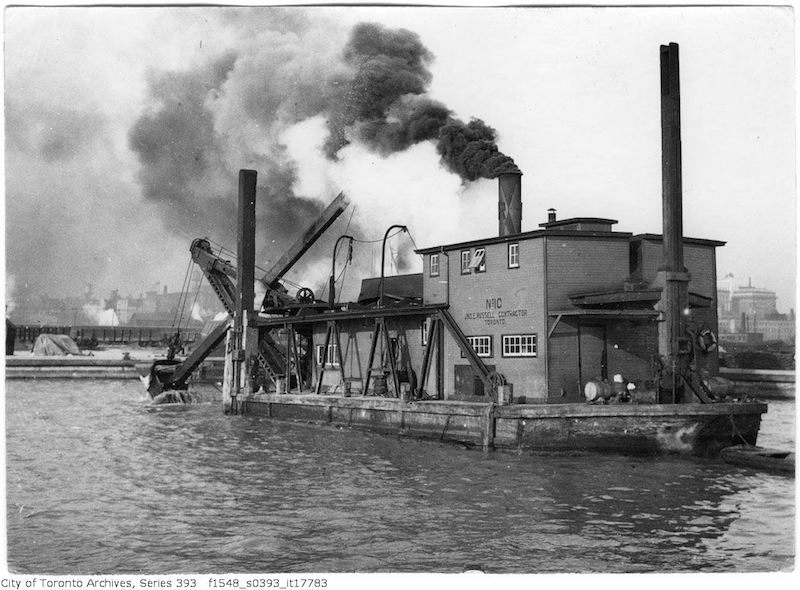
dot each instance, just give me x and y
(196, 295)
(185, 296)
(183, 288)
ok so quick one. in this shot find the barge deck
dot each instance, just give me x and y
(691, 429)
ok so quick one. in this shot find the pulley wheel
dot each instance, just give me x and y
(305, 295)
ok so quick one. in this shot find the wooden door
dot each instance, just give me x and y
(593, 357)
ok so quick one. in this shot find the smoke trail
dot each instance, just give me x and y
(370, 89)
(140, 142)
(383, 104)
(471, 152)
(177, 146)
(208, 122)
(383, 66)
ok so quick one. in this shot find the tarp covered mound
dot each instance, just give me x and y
(55, 345)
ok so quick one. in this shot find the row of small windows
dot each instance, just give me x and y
(514, 345)
(475, 261)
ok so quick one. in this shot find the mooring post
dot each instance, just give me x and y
(243, 339)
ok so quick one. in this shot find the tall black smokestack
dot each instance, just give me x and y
(509, 204)
(675, 278)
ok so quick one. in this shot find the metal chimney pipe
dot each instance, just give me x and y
(509, 203)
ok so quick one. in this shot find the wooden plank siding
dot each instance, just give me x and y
(500, 301)
(356, 338)
(553, 267)
(584, 265)
(700, 261)
(632, 347)
(563, 363)
(434, 288)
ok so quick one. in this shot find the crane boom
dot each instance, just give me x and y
(222, 276)
(308, 239)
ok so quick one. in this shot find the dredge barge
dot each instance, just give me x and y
(569, 337)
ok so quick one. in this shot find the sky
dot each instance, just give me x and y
(125, 129)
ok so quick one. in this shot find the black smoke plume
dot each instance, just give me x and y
(471, 152)
(206, 123)
(383, 103)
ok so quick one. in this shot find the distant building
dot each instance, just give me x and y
(748, 314)
(157, 308)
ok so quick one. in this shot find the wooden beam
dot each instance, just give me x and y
(475, 361)
(244, 336)
(553, 329)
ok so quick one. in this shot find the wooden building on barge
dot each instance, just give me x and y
(549, 319)
(545, 311)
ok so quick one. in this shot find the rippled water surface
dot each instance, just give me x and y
(100, 482)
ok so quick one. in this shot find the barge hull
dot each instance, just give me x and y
(689, 429)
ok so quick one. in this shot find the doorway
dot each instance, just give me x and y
(593, 357)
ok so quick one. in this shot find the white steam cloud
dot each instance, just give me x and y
(145, 157)
(100, 316)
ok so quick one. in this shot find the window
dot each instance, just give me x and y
(479, 260)
(519, 345)
(425, 325)
(332, 358)
(434, 268)
(482, 345)
(513, 255)
(465, 260)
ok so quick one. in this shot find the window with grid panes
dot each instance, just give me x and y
(519, 345)
(482, 345)
(434, 265)
(466, 257)
(513, 255)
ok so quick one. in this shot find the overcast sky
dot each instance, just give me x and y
(573, 94)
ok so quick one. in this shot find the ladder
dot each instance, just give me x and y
(270, 358)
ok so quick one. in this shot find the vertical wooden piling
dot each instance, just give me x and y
(487, 426)
(675, 298)
(244, 336)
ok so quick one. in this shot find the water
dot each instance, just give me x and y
(100, 482)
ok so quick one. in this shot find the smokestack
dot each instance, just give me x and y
(672, 197)
(675, 296)
(509, 205)
(551, 215)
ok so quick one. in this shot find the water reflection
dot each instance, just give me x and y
(98, 482)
